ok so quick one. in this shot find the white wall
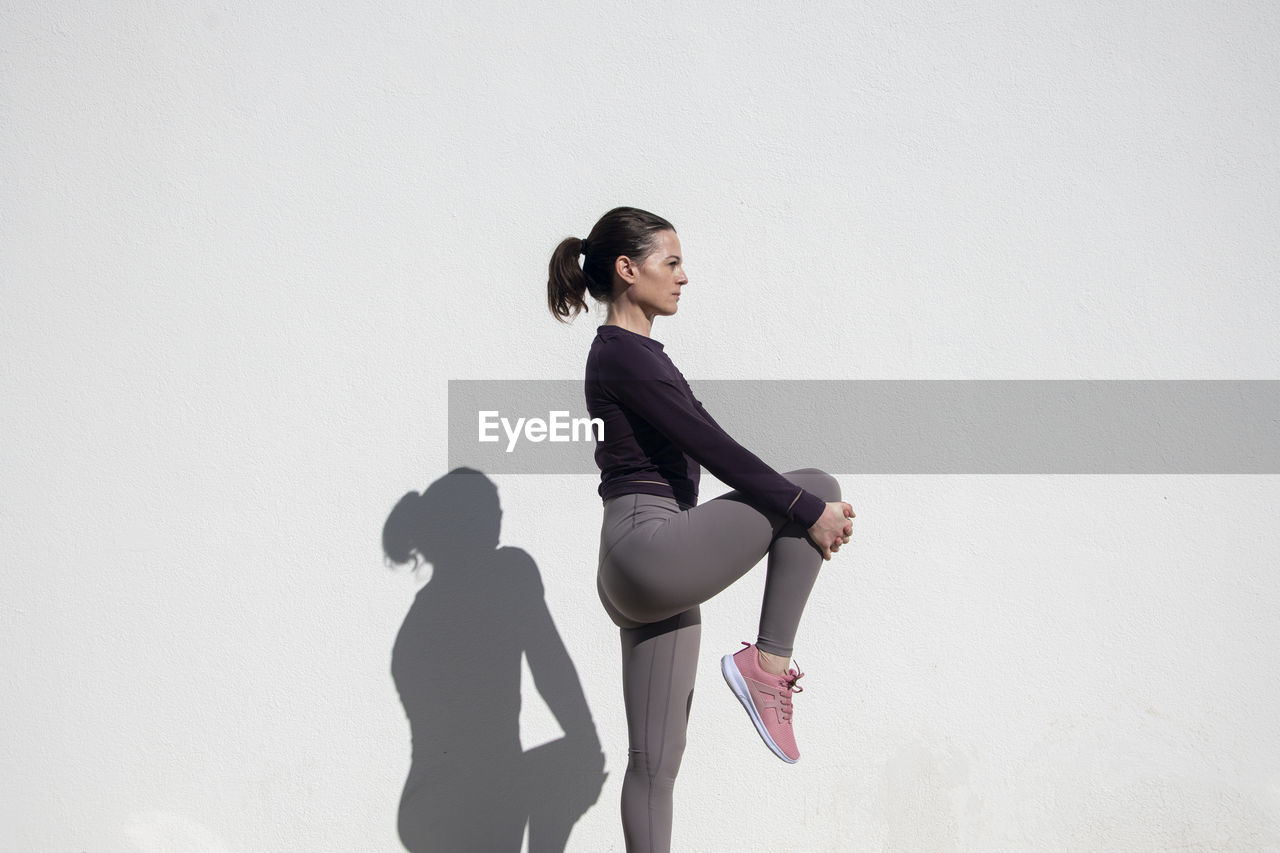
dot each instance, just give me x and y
(243, 247)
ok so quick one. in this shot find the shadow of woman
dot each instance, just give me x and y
(456, 665)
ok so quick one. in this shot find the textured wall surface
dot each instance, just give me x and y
(243, 248)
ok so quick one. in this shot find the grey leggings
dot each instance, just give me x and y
(660, 560)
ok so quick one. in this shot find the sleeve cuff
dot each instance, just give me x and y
(807, 509)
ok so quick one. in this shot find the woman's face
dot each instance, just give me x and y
(654, 283)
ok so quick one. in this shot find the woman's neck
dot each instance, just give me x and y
(631, 318)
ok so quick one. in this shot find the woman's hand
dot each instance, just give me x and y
(833, 528)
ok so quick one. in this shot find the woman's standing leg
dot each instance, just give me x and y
(654, 580)
(659, 662)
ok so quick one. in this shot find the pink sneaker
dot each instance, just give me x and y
(767, 698)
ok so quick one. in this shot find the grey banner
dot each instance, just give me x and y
(908, 426)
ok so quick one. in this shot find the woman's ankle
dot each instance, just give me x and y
(775, 664)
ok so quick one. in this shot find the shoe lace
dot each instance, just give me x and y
(789, 687)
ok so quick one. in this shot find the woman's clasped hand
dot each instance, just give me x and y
(833, 528)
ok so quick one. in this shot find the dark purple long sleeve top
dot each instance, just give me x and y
(656, 433)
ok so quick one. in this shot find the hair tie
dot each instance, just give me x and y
(583, 250)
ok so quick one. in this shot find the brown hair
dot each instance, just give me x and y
(622, 232)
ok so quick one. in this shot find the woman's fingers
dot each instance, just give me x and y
(837, 537)
(847, 531)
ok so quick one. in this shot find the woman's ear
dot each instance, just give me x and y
(625, 269)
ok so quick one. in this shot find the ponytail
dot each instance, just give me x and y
(567, 284)
(623, 231)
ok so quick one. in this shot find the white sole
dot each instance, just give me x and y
(738, 685)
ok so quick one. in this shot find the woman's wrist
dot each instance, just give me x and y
(807, 509)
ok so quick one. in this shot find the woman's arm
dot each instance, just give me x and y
(641, 381)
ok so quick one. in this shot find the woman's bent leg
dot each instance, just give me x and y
(657, 564)
(793, 567)
(659, 662)
(675, 560)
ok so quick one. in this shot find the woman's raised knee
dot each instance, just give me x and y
(817, 482)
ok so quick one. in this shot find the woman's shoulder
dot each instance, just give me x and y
(625, 355)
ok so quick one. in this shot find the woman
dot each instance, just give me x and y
(661, 552)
